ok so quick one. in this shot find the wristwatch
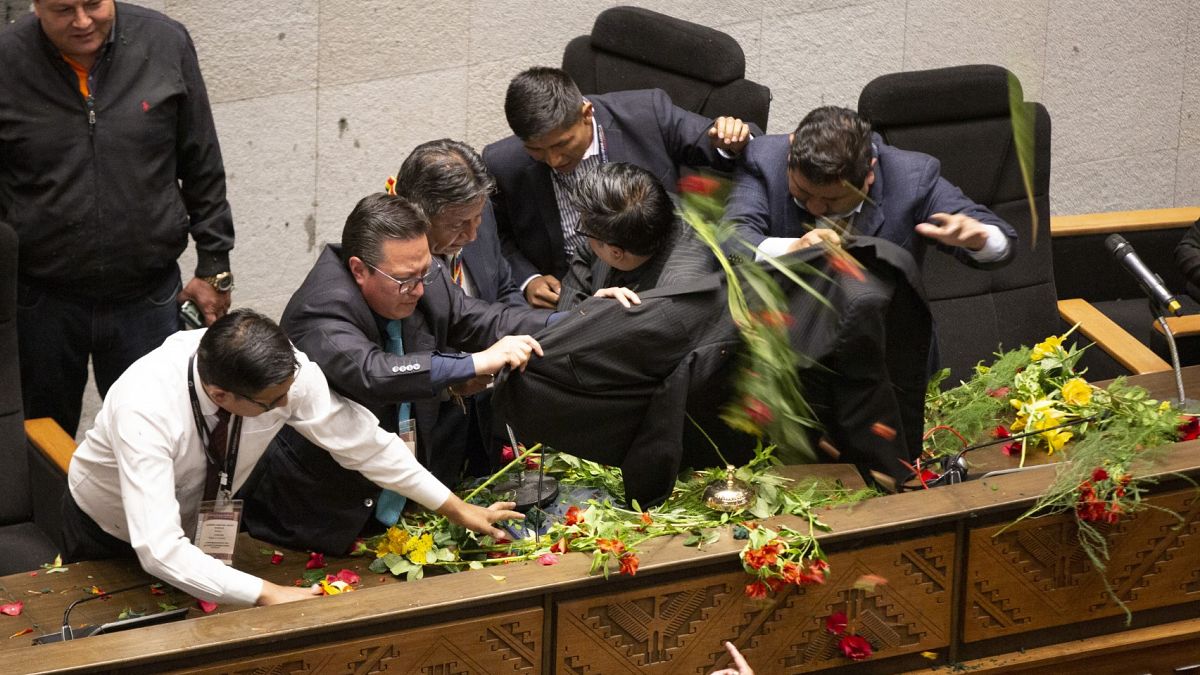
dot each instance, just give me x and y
(223, 282)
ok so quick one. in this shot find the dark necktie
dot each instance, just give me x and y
(217, 440)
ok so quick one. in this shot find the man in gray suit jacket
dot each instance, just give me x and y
(635, 242)
(342, 317)
(557, 132)
(833, 176)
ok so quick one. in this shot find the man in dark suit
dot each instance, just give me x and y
(378, 288)
(557, 133)
(635, 241)
(833, 176)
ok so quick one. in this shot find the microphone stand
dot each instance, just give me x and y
(1160, 316)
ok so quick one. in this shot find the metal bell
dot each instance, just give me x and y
(728, 494)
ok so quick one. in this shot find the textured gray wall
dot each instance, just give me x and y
(318, 101)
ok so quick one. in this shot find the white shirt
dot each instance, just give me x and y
(140, 471)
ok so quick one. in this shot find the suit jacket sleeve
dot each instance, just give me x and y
(1187, 258)
(578, 285)
(749, 207)
(945, 197)
(686, 135)
(521, 267)
(473, 324)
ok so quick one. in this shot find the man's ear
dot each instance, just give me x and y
(359, 270)
(218, 395)
(586, 110)
(617, 252)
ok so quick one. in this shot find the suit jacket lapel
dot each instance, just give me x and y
(870, 220)
(479, 270)
(543, 190)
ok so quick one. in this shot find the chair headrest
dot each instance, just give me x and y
(670, 44)
(930, 96)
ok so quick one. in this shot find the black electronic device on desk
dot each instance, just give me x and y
(69, 633)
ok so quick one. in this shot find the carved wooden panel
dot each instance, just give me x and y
(1035, 574)
(679, 627)
(506, 643)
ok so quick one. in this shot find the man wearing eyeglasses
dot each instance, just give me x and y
(392, 331)
(184, 427)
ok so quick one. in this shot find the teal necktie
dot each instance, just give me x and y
(390, 504)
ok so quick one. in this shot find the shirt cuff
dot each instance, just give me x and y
(773, 247)
(994, 249)
(211, 263)
(526, 282)
(448, 369)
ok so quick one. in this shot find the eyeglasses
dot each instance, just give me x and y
(407, 286)
(267, 407)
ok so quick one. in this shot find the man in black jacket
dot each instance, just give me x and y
(108, 160)
(378, 288)
(558, 134)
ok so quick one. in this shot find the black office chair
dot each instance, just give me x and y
(30, 489)
(702, 69)
(961, 116)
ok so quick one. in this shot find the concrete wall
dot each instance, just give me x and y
(318, 101)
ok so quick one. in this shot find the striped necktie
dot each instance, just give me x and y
(456, 269)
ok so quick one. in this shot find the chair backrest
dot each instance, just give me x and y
(961, 116)
(15, 500)
(702, 69)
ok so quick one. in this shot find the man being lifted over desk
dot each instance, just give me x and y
(183, 428)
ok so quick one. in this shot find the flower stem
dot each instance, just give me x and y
(501, 472)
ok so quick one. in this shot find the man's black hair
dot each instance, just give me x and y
(443, 173)
(377, 218)
(244, 352)
(541, 100)
(832, 145)
(624, 205)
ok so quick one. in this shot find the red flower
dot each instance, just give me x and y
(1099, 474)
(276, 558)
(573, 516)
(855, 647)
(614, 546)
(507, 454)
(846, 265)
(1190, 428)
(836, 623)
(998, 393)
(315, 561)
(646, 520)
(531, 463)
(560, 546)
(1001, 431)
(1012, 449)
(347, 576)
(758, 412)
(629, 564)
(755, 559)
(697, 184)
(775, 319)
(756, 590)
(883, 431)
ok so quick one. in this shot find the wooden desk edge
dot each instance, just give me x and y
(1123, 221)
(49, 438)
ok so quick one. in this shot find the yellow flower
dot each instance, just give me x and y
(418, 548)
(1046, 348)
(1055, 440)
(394, 542)
(1077, 392)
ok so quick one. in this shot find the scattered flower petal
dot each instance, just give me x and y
(547, 559)
(497, 577)
(206, 606)
(276, 557)
(348, 576)
(855, 647)
(836, 623)
(315, 560)
(930, 655)
(12, 608)
(19, 633)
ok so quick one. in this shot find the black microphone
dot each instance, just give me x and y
(1150, 282)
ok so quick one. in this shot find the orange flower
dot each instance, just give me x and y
(756, 558)
(756, 590)
(614, 546)
(560, 546)
(629, 564)
(573, 517)
(646, 518)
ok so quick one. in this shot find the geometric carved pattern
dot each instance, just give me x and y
(1035, 575)
(509, 643)
(679, 627)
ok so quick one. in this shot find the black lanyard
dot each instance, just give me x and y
(235, 436)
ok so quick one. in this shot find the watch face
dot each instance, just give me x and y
(223, 282)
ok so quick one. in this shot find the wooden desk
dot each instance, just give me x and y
(957, 588)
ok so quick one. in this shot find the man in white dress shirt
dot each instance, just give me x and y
(138, 479)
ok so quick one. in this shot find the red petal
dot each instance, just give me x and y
(12, 608)
(348, 576)
(206, 606)
(836, 623)
(547, 559)
(315, 561)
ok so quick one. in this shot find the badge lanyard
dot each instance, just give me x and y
(225, 483)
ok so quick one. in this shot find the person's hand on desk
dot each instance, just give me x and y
(543, 291)
(513, 351)
(274, 594)
(478, 519)
(955, 229)
(623, 295)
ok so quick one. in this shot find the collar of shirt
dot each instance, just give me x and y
(594, 148)
(207, 407)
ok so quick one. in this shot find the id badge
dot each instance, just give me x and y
(217, 528)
